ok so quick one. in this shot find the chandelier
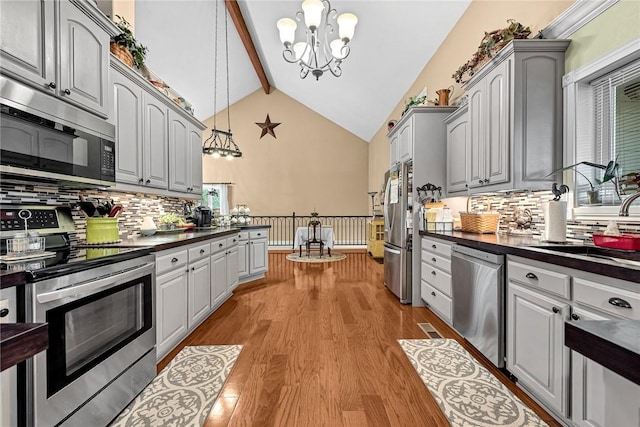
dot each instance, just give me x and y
(317, 54)
(220, 143)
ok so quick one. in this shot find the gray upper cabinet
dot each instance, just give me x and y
(515, 117)
(155, 142)
(59, 47)
(159, 145)
(457, 150)
(179, 153)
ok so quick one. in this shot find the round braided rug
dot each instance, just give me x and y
(315, 257)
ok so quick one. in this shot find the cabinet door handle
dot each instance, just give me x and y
(433, 246)
(148, 182)
(201, 251)
(433, 293)
(480, 181)
(619, 302)
(575, 316)
(556, 310)
(193, 269)
(66, 92)
(466, 186)
(52, 85)
(174, 259)
(140, 181)
(486, 181)
(531, 276)
(433, 260)
(433, 272)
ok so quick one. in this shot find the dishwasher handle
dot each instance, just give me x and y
(475, 254)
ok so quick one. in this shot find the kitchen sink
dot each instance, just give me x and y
(615, 255)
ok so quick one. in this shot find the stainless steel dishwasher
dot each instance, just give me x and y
(478, 300)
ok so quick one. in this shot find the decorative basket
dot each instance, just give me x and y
(122, 53)
(479, 222)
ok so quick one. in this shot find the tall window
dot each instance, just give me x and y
(614, 105)
(216, 197)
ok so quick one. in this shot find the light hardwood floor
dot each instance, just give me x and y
(320, 349)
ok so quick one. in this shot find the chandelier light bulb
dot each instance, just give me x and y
(312, 13)
(336, 49)
(287, 28)
(301, 51)
(229, 156)
(215, 155)
(347, 26)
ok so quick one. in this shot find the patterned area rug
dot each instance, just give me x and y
(468, 394)
(184, 392)
(315, 257)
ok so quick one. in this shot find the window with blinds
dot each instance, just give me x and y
(615, 105)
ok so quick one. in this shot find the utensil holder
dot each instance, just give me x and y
(102, 230)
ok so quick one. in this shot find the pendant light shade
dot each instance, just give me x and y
(347, 26)
(287, 28)
(312, 13)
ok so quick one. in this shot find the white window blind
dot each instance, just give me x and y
(615, 103)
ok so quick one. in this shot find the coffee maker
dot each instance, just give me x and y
(202, 216)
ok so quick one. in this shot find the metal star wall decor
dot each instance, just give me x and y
(267, 127)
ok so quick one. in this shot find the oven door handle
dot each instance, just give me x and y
(93, 286)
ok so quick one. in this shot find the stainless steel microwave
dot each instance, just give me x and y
(43, 150)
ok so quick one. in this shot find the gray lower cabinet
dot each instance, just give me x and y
(59, 47)
(243, 258)
(253, 254)
(435, 277)
(159, 146)
(536, 354)
(515, 117)
(172, 316)
(199, 291)
(218, 278)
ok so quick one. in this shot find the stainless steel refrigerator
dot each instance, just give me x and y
(397, 241)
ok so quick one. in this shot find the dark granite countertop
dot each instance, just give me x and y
(12, 278)
(20, 341)
(160, 242)
(615, 344)
(524, 246)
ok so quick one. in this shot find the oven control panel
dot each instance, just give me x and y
(35, 218)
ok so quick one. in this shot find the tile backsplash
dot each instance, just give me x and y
(508, 204)
(135, 206)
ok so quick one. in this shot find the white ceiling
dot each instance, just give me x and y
(393, 42)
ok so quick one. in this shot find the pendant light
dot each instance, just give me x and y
(220, 143)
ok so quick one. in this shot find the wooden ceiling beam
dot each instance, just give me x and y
(243, 31)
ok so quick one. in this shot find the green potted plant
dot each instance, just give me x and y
(126, 47)
(610, 174)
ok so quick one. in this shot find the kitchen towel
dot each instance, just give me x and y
(555, 221)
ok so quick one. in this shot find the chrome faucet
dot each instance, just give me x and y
(624, 207)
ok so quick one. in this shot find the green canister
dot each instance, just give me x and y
(102, 230)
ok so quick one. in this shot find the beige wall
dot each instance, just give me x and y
(615, 27)
(457, 48)
(313, 164)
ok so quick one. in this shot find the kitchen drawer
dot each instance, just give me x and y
(539, 278)
(436, 245)
(232, 241)
(605, 298)
(258, 234)
(438, 261)
(199, 252)
(165, 263)
(218, 245)
(436, 300)
(436, 278)
(243, 235)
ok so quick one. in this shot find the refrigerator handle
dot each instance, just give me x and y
(385, 210)
(393, 251)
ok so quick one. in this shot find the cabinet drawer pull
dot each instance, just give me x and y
(193, 269)
(433, 260)
(531, 276)
(619, 302)
(433, 272)
(174, 259)
(220, 245)
(201, 251)
(575, 316)
(259, 234)
(433, 293)
(52, 85)
(4, 312)
(433, 246)
(140, 181)
(66, 92)
(556, 310)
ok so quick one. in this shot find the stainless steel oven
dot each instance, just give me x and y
(101, 342)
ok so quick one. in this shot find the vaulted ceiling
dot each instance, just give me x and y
(393, 42)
